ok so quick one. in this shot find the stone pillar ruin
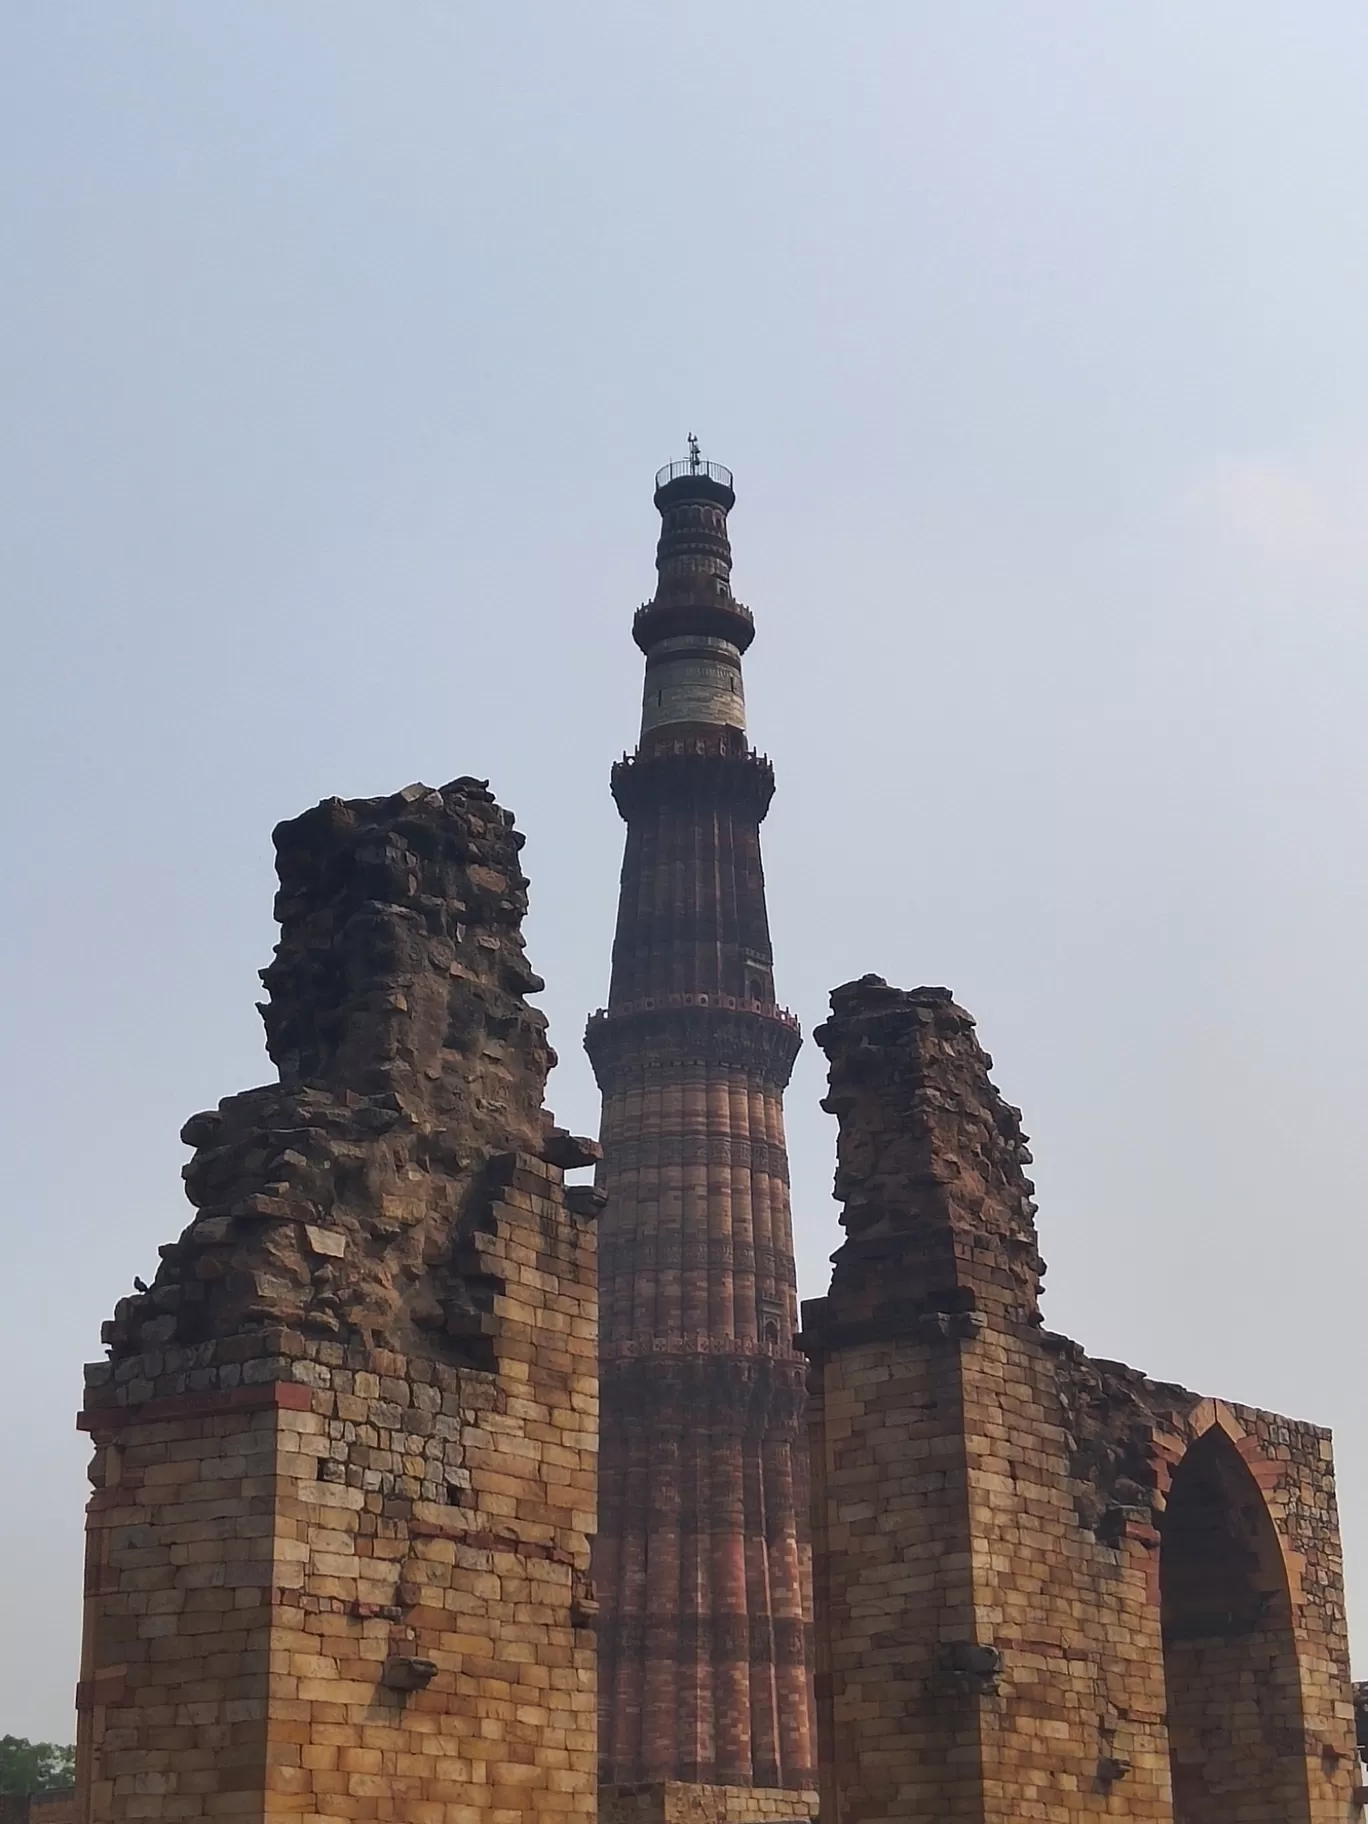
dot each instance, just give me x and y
(345, 1442)
(1046, 1586)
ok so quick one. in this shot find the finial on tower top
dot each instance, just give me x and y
(694, 469)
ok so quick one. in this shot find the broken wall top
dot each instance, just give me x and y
(941, 1244)
(343, 1201)
(939, 1216)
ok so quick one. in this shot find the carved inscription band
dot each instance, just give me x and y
(622, 1047)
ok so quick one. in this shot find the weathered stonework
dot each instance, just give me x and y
(345, 1445)
(1046, 1587)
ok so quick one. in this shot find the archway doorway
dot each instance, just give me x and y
(1236, 1736)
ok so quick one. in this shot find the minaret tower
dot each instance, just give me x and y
(702, 1563)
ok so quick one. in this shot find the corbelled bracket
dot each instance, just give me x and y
(968, 1667)
(404, 1674)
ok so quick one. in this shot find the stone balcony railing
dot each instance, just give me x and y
(769, 1010)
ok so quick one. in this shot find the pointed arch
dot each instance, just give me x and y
(1236, 1732)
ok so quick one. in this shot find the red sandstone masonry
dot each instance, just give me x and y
(702, 1560)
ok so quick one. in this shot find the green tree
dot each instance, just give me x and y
(35, 1766)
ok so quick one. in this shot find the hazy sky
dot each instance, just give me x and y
(341, 343)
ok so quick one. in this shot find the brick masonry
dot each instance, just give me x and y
(345, 1444)
(1047, 1587)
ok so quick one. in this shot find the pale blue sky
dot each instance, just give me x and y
(340, 345)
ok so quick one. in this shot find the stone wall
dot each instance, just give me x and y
(1014, 1546)
(345, 1443)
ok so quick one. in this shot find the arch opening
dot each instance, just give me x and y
(1237, 1747)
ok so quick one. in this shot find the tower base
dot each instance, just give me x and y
(681, 1802)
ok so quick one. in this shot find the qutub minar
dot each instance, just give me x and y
(354, 1554)
(702, 1561)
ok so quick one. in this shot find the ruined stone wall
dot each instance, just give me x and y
(345, 1443)
(1008, 1536)
(1233, 1509)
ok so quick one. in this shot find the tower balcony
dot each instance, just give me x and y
(714, 613)
(719, 1031)
(694, 466)
(694, 479)
(712, 764)
(735, 1003)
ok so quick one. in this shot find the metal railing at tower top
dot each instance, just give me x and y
(694, 465)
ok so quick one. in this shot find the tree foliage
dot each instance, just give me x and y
(35, 1766)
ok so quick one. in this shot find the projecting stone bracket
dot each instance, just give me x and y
(584, 1603)
(967, 1668)
(950, 1326)
(404, 1674)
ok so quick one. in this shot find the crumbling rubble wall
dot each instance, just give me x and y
(345, 1442)
(1011, 1542)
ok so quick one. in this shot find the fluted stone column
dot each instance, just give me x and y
(703, 1562)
